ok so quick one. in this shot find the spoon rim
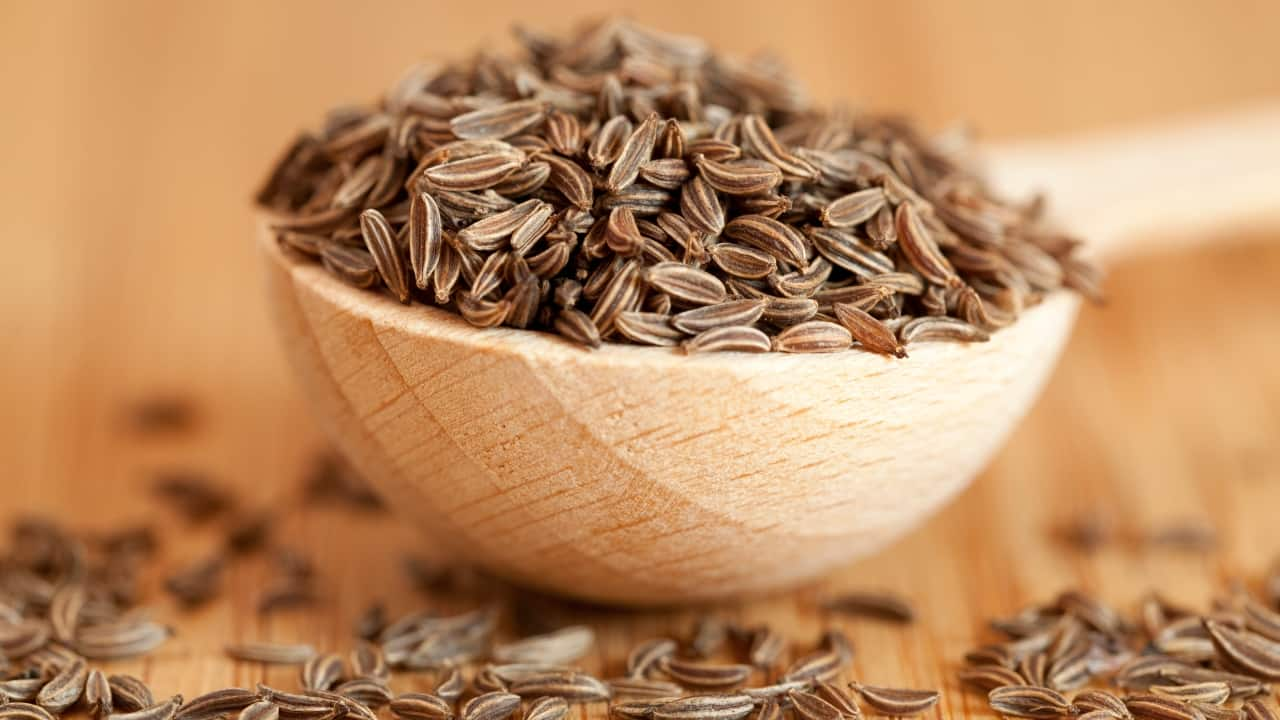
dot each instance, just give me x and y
(423, 320)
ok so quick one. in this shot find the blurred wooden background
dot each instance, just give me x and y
(134, 131)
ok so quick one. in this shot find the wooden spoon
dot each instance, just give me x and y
(639, 475)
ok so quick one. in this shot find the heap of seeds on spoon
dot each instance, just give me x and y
(626, 185)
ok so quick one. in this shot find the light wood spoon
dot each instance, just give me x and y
(638, 475)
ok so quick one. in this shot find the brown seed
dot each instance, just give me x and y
(811, 707)
(990, 677)
(764, 233)
(354, 266)
(560, 647)
(814, 336)
(573, 686)
(1259, 709)
(868, 331)
(897, 702)
(564, 132)
(853, 209)
(425, 230)
(1144, 706)
(666, 173)
(369, 692)
(221, 702)
(940, 329)
(709, 317)
(729, 339)
(261, 710)
(167, 710)
(647, 654)
(1099, 700)
(1211, 692)
(845, 250)
(97, 694)
(271, 653)
(701, 207)
(636, 151)
(322, 672)
(474, 173)
(1219, 712)
(499, 121)
(766, 647)
(547, 708)
(743, 177)
(647, 328)
(623, 293)
(1246, 650)
(65, 688)
(421, 706)
(23, 711)
(129, 694)
(578, 327)
(607, 144)
(819, 665)
(920, 249)
(760, 139)
(743, 261)
(64, 610)
(839, 698)
(705, 707)
(380, 241)
(685, 284)
(639, 687)
(1028, 701)
(704, 675)
(621, 233)
(451, 684)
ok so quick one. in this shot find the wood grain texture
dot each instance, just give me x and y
(137, 274)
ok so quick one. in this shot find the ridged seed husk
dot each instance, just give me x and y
(868, 331)
(742, 261)
(575, 687)
(705, 707)
(547, 708)
(1259, 709)
(940, 329)
(740, 177)
(167, 710)
(293, 706)
(781, 241)
(1145, 706)
(559, 647)
(766, 647)
(1246, 651)
(1212, 692)
(607, 143)
(499, 121)
(1219, 712)
(646, 655)
(272, 653)
(637, 709)
(24, 711)
(451, 684)
(1028, 701)
(1241, 686)
(816, 666)
(878, 605)
(853, 209)
(366, 691)
(685, 284)
(811, 707)
(219, 702)
(261, 710)
(897, 702)
(65, 688)
(64, 610)
(840, 698)
(735, 338)
(128, 693)
(641, 687)
(421, 706)
(647, 328)
(701, 207)
(495, 705)
(814, 336)
(1087, 701)
(637, 150)
(990, 677)
(97, 694)
(705, 675)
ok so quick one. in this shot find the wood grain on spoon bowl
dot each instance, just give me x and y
(638, 475)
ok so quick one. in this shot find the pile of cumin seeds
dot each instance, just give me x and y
(1170, 663)
(627, 185)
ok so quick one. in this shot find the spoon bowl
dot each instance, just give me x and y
(638, 475)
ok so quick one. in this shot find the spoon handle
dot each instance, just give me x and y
(1154, 187)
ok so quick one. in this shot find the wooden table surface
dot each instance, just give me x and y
(139, 128)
